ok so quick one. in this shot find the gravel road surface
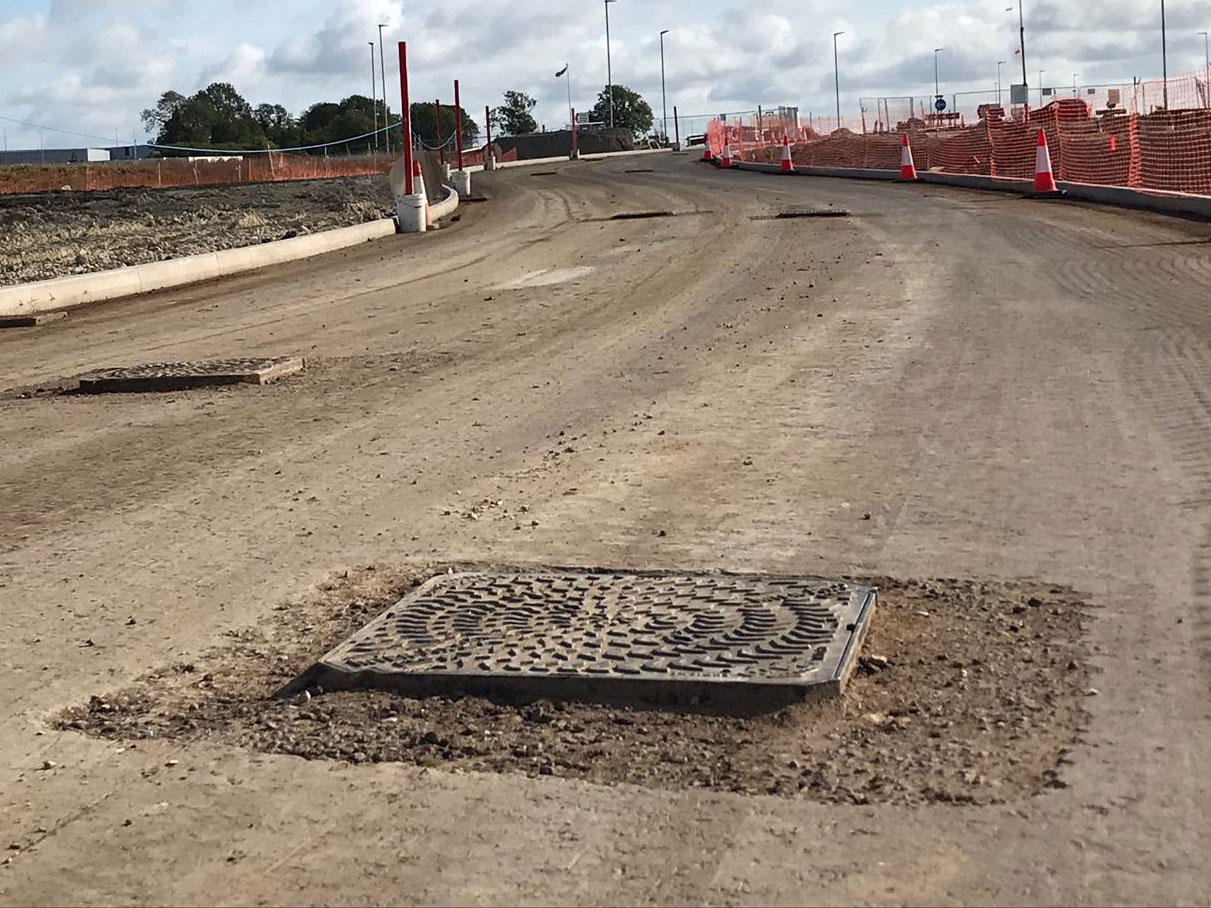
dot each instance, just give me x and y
(997, 406)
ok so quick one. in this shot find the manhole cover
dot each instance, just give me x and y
(640, 170)
(183, 376)
(32, 320)
(595, 635)
(545, 173)
(790, 213)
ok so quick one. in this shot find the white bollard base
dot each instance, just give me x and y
(410, 213)
(446, 173)
(490, 162)
(461, 181)
(575, 155)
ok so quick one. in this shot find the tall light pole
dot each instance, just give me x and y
(1000, 63)
(1164, 58)
(609, 63)
(1075, 91)
(374, 94)
(1041, 72)
(1207, 65)
(1022, 48)
(664, 99)
(382, 70)
(837, 75)
(567, 71)
(937, 86)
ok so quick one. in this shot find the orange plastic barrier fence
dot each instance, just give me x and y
(1164, 151)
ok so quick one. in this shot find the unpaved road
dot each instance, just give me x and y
(955, 385)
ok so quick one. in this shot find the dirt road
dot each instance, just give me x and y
(944, 384)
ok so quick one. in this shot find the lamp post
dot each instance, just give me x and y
(382, 71)
(937, 86)
(1164, 59)
(609, 64)
(1000, 63)
(1075, 91)
(837, 75)
(374, 94)
(1041, 72)
(1207, 66)
(664, 99)
(567, 71)
(1022, 35)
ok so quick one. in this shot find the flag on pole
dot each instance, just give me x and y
(562, 71)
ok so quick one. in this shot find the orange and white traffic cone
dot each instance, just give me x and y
(1044, 178)
(418, 183)
(787, 165)
(908, 169)
(706, 153)
(727, 155)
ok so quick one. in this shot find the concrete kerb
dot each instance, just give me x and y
(81, 289)
(445, 207)
(1189, 206)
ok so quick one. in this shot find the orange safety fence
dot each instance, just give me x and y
(167, 173)
(1161, 150)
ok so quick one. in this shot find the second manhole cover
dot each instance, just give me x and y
(669, 638)
(183, 376)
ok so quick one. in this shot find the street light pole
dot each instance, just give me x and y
(1041, 72)
(1000, 63)
(374, 94)
(382, 71)
(1164, 58)
(664, 99)
(1075, 91)
(1022, 33)
(609, 63)
(937, 86)
(837, 76)
(1207, 66)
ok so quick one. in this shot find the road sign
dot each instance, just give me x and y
(1018, 94)
(940, 104)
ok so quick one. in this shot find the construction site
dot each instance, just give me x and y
(768, 511)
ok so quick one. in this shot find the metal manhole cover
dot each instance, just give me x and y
(794, 213)
(676, 638)
(32, 320)
(183, 376)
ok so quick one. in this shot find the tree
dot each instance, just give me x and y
(282, 130)
(513, 118)
(154, 118)
(423, 124)
(630, 110)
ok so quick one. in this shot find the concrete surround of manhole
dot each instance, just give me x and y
(683, 639)
(184, 376)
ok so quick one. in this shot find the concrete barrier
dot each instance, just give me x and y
(1118, 196)
(81, 289)
(446, 206)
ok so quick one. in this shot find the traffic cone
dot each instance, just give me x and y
(908, 169)
(706, 153)
(418, 188)
(787, 165)
(727, 155)
(1044, 179)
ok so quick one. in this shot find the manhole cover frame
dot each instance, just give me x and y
(186, 376)
(334, 672)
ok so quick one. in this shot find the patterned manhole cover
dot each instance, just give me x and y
(183, 376)
(676, 638)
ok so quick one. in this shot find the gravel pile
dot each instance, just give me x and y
(56, 234)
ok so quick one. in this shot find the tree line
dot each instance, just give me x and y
(219, 118)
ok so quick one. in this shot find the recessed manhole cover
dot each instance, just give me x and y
(32, 320)
(791, 213)
(641, 215)
(677, 638)
(183, 376)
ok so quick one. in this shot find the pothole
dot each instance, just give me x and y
(545, 173)
(640, 170)
(159, 377)
(794, 213)
(32, 320)
(641, 215)
(966, 692)
(749, 641)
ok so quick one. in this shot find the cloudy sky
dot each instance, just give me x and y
(92, 65)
